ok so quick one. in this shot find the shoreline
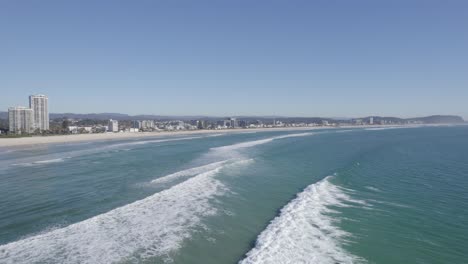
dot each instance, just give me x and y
(54, 139)
(42, 140)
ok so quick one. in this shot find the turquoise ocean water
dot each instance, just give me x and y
(321, 196)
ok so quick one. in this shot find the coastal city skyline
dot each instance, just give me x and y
(36, 119)
(190, 113)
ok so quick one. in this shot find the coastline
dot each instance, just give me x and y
(41, 140)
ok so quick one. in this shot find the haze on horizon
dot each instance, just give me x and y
(220, 58)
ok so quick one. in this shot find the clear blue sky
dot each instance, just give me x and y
(293, 58)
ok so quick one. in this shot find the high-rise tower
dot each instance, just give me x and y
(39, 105)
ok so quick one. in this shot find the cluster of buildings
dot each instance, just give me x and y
(144, 125)
(227, 123)
(35, 119)
(211, 124)
(24, 120)
(112, 126)
(183, 125)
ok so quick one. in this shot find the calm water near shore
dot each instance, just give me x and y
(323, 196)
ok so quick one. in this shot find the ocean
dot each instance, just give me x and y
(364, 195)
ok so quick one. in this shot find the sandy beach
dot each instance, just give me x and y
(39, 140)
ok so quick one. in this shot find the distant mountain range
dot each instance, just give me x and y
(434, 119)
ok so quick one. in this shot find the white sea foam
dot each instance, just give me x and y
(295, 135)
(50, 161)
(189, 172)
(381, 128)
(143, 142)
(196, 170)
(153, 226)
(259, 142)
(305, 232)
(111, 147)
(389, 203)
(216, 135)
(40, 162)
(150, 227)
(240, 162)
(372, 188)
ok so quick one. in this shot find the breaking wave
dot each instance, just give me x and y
(260, 141)
(189, 172)
(151, 227)
(197, 170)
(143, 142)
(305, 230)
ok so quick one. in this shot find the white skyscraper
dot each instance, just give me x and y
(20, 120)
(39, 105)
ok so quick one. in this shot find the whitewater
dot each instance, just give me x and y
(305, 231)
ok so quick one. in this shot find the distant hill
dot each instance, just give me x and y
(439, 119)
(434, 119)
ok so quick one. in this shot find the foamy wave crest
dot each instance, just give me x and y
(154, 226)
(305, 232)
(142, 142)
(189, 172)
(216, 135)
(197, 170)
(372, 188)
(41, 162)
(382, 128)
(259, 142)
(50, 161)
(241, 162)
(345, 131)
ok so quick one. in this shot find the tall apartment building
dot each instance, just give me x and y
(39, 105)
(20, 120)
(113, 126)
